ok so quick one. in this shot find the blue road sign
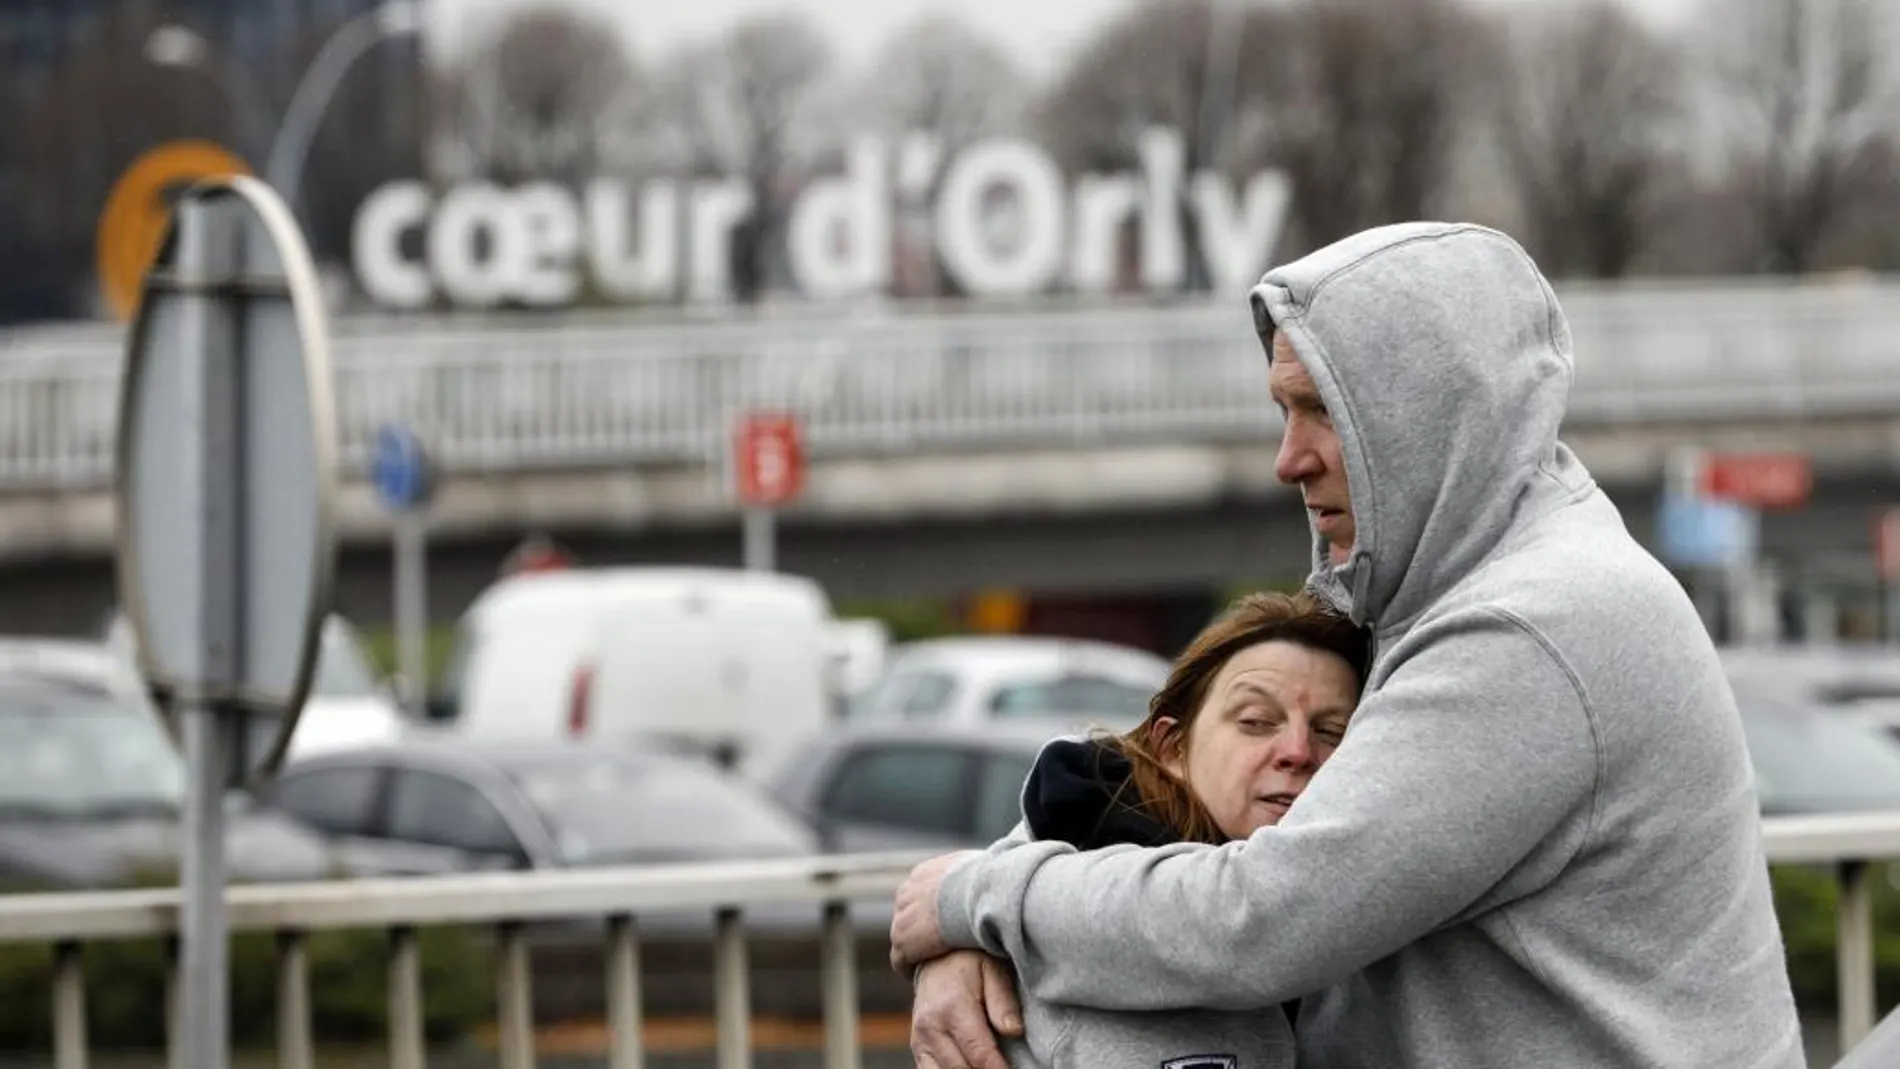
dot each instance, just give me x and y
(1695, 532)
(400, 470)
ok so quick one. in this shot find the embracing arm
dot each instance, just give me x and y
(1472, 754)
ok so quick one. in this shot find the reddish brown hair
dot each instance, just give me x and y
(1255, 618)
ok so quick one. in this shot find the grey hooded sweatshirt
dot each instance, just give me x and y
(1538, 844)
(1081, 793)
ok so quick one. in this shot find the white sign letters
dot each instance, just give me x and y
(1005, 224)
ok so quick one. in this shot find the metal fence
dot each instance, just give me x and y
(508, 901)
(513, 394)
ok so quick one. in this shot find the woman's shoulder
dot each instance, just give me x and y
(1080, 791)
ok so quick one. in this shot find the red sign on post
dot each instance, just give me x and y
(769, 459)
(1760, 480)
(1887, 544)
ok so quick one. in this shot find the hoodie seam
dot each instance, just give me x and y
(1589, 718)
(1370, 254)
(1504, 913)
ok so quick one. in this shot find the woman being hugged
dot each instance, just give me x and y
(1251, 710)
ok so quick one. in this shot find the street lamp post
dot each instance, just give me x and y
(184, 48)
(284, 169)
(179, 46)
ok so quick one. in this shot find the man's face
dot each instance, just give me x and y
(1310, 454)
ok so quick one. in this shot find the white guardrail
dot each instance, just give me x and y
(517, 394)
(508, 901)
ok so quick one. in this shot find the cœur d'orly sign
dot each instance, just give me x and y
(1003, 220)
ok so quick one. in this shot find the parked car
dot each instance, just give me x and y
(894, 785)
(877, 786)
(91, 787)
(743, 665)
(1808, 759)
(981, 680)
(437, 805)
(347, 705)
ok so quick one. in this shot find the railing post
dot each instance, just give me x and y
(69, 1006)
(1854, 952)
(294, 1046)
(839, 964)
(405, 1000)
(515, 999)
(628, 1049)
(732, 996)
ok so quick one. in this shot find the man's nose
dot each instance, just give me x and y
(1295, 462)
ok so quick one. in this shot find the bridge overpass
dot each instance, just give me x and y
(1080, 448)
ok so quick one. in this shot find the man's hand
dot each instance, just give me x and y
(916, 936)
(960, 998)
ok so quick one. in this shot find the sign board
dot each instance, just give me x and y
(226, 465)
(401, 471)
(1887, 544)
(999, 215)
(138, 210)
(1697, 532)
(1759, 480)
(769, 460)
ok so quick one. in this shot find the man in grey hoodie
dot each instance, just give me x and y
(1538, 844)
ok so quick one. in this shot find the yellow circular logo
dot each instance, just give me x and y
(139, 208)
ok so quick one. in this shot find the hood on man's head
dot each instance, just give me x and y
(1445, 365)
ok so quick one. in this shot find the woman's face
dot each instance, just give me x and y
(1273, 715)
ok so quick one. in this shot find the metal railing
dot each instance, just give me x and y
(508, 901)
(514, 395)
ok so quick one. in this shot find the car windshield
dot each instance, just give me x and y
(603, 808)
(1815, 762)
(1115, 702)
(75, 748)
(342, 670)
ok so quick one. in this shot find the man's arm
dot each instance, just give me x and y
(1471, 755)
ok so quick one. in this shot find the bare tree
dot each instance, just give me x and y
(738, 106)
(1195, 66)
(1199, 68)
(1377, 91)
(941, 77)
(1805, 93)
(1586, 120)
(935, 88)
(546, 97)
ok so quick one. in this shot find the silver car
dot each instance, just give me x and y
(974, 681)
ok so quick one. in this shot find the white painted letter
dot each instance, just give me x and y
(839, 237)
(1162, 159)
(550, 225)
(1029, 258)
(1238, 250)
(1102, 204)
(376, 245)
(650, 271)
(718, 207)
(468, 277)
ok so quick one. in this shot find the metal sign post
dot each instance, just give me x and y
(770, 472)
(224, 483)
(405, 483)
(1887, 569)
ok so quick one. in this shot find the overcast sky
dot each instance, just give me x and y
(1042, 33)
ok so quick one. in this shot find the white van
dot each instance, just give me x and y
(740, 664)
